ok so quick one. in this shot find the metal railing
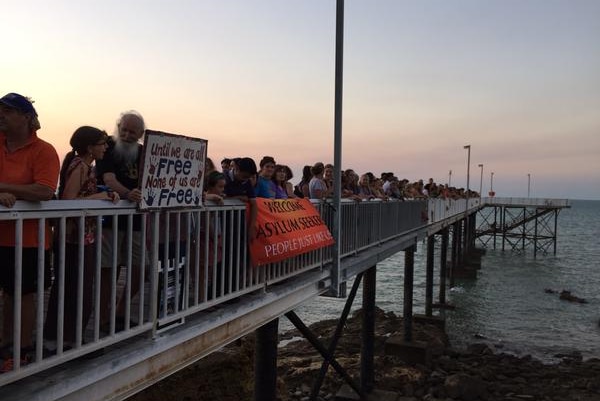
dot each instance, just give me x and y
(176, 263)
(440, 209)
(539, 202)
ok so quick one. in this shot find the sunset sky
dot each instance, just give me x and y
(518, 80)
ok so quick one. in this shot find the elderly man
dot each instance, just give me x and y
(29, 169)
(118, 170)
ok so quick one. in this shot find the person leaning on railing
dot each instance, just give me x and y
(29, 169)
(77, 181)
(265, 187)
(214, 192)
(317, 189)
(280, 181)
(118, 170)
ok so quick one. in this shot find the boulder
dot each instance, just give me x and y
(466, 387)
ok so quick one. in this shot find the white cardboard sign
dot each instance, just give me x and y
(173, 171)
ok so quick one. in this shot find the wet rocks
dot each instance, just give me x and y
(567, 296)
(466, 387)
(477, 373)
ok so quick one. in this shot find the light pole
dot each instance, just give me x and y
(528, 184)
(481, 180)
(492, 184)
(449, 178)
(468, 147)
(467, 240)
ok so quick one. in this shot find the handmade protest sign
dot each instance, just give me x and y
(286, 228)
(173, 171)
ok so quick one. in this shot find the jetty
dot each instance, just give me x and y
(185, 310)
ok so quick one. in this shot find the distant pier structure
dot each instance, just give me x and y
(519, 224)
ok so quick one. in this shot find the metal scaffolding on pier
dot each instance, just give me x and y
(519, 224)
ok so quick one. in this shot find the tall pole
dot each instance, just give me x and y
(481, 180)
(492, 182)
(337, 146)
(450, 178)
(468, 147)
(528, 184)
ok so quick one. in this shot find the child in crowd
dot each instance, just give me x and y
(265, 187)
(214, 192)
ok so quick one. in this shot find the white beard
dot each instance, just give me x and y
(125, 151)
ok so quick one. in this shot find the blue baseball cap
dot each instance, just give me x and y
(19, 102)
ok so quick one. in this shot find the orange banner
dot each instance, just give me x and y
(286, 228)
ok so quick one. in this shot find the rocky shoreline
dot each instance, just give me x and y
(477, 373)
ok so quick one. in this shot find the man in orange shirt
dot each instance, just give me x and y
(29, 169)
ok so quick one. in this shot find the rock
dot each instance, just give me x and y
(479, 349)
(437, 374)
(464, 386)
(430, 397)
(454, 376)
(575, 356)
(567, 296)
(409, 390)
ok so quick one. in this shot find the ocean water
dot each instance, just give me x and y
(507, 306)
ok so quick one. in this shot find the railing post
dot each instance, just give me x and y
(409, 263)
(265, 362)
(153, 271)
(367, 370)
(429, 277)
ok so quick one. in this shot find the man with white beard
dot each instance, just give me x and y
(118, 171)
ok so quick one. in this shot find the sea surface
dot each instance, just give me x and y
(507, 305)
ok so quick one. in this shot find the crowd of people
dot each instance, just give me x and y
(104, 167)
(272, 180)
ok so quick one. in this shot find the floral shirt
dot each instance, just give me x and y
(88, 187)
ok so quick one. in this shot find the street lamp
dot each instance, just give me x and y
(467, 242)
(449, 178)
(481, 180)
(528, 184)
(468, 147)
(492, 193)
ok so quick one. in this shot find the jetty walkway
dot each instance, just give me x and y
(177, 315)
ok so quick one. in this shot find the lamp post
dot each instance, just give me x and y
(528, 184)
(449, 178)
(467, 241)
(492, 184)
(480, 180)
(468, 147)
